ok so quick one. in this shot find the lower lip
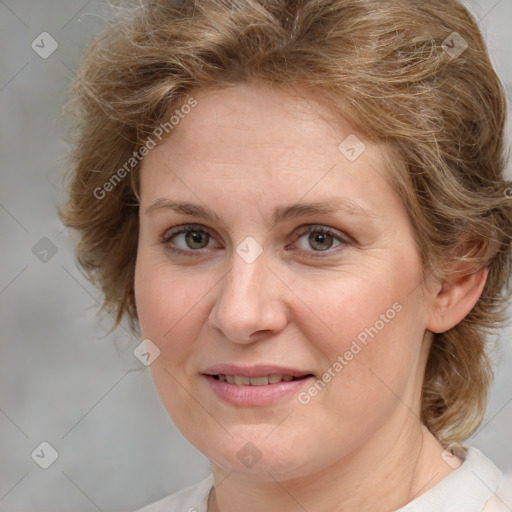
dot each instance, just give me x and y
(254, 396)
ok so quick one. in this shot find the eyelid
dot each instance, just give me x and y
(183, 228)
(165, 239)
(311, 228)
(305, 229)
(298, 233)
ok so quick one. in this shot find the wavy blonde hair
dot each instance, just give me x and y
(385, 65)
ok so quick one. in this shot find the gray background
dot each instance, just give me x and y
(63, 379)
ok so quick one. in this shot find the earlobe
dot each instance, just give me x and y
(454, 299)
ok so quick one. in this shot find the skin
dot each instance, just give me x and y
(242, 152)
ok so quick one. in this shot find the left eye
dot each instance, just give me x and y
(319, 239)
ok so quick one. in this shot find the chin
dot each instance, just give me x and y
(251, 451)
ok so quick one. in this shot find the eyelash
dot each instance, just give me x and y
(299, 233)
(324, 230)
(178, 230)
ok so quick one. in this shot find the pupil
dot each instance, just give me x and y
(320, 241)
(196, 240)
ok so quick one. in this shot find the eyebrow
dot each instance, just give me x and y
(325, 207)
(281, 213)
(185, 208)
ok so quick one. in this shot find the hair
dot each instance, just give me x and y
(388, 66)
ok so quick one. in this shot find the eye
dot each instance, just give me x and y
(188, 238)
(319, 239)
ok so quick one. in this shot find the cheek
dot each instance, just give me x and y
(173, 307)
(163, 296)
(171, 311)
(370, 362)
(162, 303)
(350, 308)
(366, 329)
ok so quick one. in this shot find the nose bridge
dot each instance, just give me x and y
(248, 301)
(245, 286)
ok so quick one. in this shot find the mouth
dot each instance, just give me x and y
(260, 385)
(275, 378)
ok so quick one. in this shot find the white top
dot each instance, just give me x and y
(470, 488)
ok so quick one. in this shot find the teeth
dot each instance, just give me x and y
(255, 381)
(259, 381)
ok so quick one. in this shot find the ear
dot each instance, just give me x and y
(453, 298)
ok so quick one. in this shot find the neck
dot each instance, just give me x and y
(370, 478)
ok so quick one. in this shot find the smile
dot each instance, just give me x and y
(261, 385)
(241, 380)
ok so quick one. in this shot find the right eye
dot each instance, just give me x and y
(188, 238)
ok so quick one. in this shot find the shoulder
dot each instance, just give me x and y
(470, 488)
(501, 500)
(191, 499)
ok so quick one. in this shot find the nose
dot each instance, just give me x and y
(249, 305)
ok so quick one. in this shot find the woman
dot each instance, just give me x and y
(301, 208)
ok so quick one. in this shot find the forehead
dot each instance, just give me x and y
(240, 120)
(253, 138)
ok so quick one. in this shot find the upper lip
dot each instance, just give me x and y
(259, 370)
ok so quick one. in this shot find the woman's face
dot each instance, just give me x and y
(278, 275)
